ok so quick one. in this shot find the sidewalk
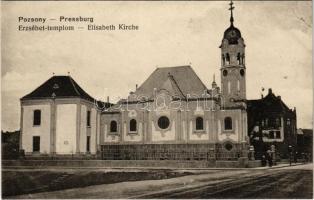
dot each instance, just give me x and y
(61, 168)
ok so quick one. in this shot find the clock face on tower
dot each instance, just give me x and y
(232, 33)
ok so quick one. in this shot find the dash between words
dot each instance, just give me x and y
(92, 27)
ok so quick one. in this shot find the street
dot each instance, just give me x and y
(277, 182)
(295, 182)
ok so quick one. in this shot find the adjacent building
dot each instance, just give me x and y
(272, 122)
(59, 117)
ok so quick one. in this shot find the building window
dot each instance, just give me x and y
(36, 143)
(229, 87)
(266, 122)
(277, 134)
(199, 123)
(239, 59)
(37, 117)
(223, 59)
(288, 122)
(228, 59)
(228, 123)
(88, 144)
(88, 118)
(113, 127)
(163, 122)
(271, 135)
(133, 125)
(277, 122)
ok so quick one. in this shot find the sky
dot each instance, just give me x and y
(278, 38)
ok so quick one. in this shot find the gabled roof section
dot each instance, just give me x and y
(269, 103)
(183, 81)
(172, 87)
(58, 87)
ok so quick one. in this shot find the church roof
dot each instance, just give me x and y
(58, 87)
(179, 81)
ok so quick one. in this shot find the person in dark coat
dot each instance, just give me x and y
(269, 158)
(263, 160)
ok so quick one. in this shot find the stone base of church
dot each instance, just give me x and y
(161, 164)
(56, 156)
(214, 151)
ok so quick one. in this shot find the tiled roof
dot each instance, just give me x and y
(58, 87)
(181, 80)
(270, 103)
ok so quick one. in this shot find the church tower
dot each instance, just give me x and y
(232, 66)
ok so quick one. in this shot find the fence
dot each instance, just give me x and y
(170, 152)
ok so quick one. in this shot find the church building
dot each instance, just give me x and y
(172, 115)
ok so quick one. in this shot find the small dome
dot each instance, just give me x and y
(232, 34)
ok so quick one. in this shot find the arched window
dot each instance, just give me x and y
(228, 59)
(113, 126)
(37, 117)
(199, 123)
(239, 58)
(243, 59)
(228, 123)
(132, 125)
(223, 59)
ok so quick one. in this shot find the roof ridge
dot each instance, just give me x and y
(74, 86)
(174, 66)
(176, 84)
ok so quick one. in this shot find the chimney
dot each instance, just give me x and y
(270, 91)
(262, 95)
(107, 99)
(279, 97)
(135, 87)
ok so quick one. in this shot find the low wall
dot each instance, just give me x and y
(131, 163)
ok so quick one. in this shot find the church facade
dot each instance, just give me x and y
(171, 115)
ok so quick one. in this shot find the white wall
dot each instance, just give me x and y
(234, 134)
(66, 129)
(164, 135)
(29, 130)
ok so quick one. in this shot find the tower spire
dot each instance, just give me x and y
(231, 10)
(214, 85)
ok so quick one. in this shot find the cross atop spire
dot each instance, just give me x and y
(231, 10)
